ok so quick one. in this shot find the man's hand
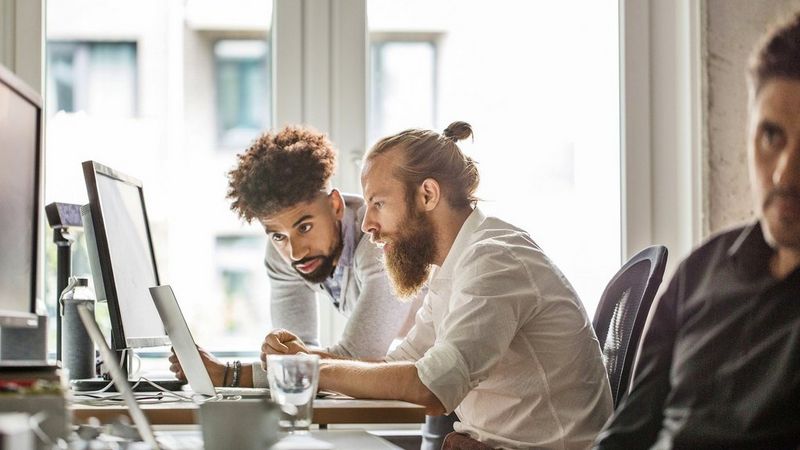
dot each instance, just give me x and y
(215, 368)
(281, 342)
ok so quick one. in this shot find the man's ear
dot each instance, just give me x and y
(430, 194)
(337, 204)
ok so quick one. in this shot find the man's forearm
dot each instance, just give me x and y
(388, 381)
(325, 354)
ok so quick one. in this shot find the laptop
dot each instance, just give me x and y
(186, 440)
(186, 350)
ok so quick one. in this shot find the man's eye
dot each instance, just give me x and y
(305, 228)
(772, 138)
(278, 237)
(378, 205)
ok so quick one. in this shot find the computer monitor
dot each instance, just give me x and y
(20, 201)
(121, 256)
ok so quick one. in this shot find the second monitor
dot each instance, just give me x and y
(122, 257)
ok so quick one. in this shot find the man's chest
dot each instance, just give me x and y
(737, 341)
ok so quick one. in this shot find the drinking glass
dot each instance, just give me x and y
(293, 385)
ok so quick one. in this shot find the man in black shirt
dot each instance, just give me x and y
(720, 362)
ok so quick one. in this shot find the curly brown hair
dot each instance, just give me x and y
(279, 170)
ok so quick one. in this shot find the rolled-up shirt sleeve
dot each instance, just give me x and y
(490, 298)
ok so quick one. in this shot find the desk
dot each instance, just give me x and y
(326, 411)
(340, 439)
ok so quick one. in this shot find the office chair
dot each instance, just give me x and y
(622, 312)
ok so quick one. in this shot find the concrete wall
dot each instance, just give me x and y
(733, 27)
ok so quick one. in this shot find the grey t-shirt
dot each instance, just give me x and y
(375, 316)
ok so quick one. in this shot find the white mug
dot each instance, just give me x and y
(239, 424)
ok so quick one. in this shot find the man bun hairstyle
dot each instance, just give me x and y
(428, 154)
(776, 56)
(458, 131)
(279, 170)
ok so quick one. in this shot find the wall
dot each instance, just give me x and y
(733, 29)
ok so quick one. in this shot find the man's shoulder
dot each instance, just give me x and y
(504, 244)
(717, 245)
(354, 202)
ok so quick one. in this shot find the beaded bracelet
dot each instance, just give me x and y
(237, 371)
(225, 375)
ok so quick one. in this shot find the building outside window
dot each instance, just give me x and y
(403, 87)
(98, 78)
(242, 88)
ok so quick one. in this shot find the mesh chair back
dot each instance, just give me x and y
(622, 313)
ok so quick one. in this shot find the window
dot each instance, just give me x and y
(544, 105)
(243, 101)
(151, 89)
(403, 84)
(98, 78)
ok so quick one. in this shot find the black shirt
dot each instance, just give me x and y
(720, 361)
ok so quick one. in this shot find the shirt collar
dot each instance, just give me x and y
(463, 239)
(750, 253)
(348, 236)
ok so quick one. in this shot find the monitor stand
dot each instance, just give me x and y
(96, 384)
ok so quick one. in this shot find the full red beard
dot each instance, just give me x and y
(409, 254)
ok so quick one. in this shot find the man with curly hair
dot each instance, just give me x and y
(316, 248)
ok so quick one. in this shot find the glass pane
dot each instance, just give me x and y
(242, 90)
(96, 78)
(111, 82)
(543, 101)
(137, 84)
(403, 85)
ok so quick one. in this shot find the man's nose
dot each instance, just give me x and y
(787, 170)
(368, 225)
(298, 250)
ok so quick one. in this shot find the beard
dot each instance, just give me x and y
(328, 263)
(409, 254)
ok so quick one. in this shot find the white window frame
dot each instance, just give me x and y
(663, 180)
(319, 73)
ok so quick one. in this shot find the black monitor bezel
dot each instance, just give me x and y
(15, 319)
(118, 338)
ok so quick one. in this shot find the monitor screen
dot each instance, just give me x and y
(20, 158)
(125, 256)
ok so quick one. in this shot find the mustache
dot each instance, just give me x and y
(789, 193)
(305, 260)
(376, 237)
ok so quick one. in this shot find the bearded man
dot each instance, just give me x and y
(501, 337)
(718, 367)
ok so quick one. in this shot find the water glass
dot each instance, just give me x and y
(293, 385)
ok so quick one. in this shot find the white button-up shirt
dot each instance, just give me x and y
(502, 339)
